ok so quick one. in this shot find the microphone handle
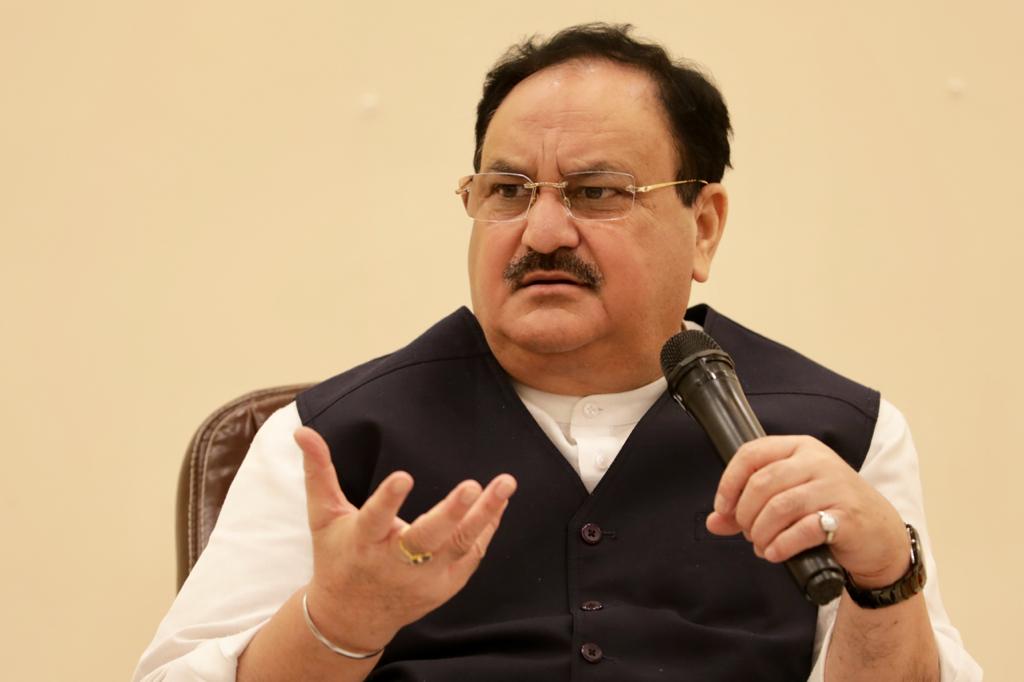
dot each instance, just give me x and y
(721, 408)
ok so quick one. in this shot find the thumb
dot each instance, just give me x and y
(324, 499)
(722, 524)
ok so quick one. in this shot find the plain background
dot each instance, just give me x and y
(198, 199)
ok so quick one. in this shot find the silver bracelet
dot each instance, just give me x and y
(328, 643)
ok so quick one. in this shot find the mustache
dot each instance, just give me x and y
(562, 259)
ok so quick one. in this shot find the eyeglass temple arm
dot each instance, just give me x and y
(649, 188)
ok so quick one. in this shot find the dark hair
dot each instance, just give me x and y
(696, 111)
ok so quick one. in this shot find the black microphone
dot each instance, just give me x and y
(702, 379)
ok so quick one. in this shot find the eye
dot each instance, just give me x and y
(593, 192)
(509, 190)
(598, 190)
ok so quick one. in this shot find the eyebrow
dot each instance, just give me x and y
(603, 166)
(502, 166)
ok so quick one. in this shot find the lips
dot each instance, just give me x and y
(548, 277)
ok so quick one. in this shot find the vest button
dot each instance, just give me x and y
(591, 652)
(591, 533)
(592, 605)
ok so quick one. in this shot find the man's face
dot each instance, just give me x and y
(579, 116)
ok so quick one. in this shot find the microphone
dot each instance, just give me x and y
(702, 379)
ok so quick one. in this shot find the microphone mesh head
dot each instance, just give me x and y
(683, 345)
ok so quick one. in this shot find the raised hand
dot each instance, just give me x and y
(365, 585)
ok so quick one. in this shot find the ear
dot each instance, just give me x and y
(709, 213)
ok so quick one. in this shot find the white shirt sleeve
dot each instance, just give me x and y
(891, 467)
(259, 554)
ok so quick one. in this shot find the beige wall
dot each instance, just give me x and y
(197, 199)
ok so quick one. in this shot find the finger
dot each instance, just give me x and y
(486, 511)
(377, 518)
(767, 483)
(470, 560)
(722, 524)
(748, 459)
(431, 530)
(803, 534)
(483, 541)
(785, 509)
(324, 499)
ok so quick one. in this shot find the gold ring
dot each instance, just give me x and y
(415, 558)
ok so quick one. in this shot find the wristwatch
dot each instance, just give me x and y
(906, 587)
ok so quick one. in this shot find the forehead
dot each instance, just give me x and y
(578, 115)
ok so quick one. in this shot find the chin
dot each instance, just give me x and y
(550, 331)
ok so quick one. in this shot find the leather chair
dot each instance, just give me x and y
(213, 457)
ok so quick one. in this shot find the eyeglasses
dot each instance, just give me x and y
(590, 195)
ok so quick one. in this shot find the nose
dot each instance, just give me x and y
(549, 226)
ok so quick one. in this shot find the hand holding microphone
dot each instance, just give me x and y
(774, 487)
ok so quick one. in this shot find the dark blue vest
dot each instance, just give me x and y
(624, 584)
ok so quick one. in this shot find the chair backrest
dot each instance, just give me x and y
(211, 461)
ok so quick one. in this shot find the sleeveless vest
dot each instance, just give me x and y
(624, 584)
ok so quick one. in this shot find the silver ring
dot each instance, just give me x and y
(829, 526)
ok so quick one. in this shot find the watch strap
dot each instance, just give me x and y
(906, 587)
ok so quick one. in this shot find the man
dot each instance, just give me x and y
(596, 203)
